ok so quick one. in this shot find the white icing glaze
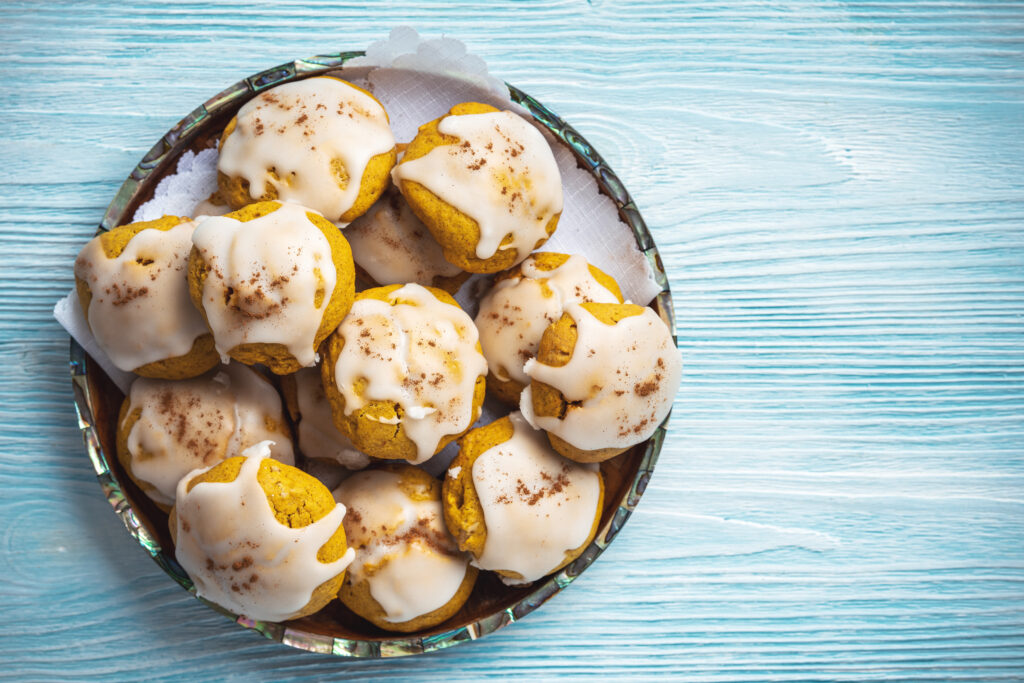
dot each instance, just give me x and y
(515, 313)
(237, 553)
(208, 207)
(297, 130)
(501, 174)
(537, 505)
(403, 549)
(317, 434)
(263, 278)
(391, 244)
(198, 422)
(140, 310)
(418, 352)
(625, 377)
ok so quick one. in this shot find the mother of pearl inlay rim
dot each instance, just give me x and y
(345, 643)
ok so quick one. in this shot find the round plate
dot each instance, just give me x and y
(335, 630)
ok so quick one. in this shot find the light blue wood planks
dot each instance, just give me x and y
(836, 190)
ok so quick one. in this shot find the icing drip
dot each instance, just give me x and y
(537, 505)
(418, 352)
(403, 549)
(263, 280)
(140, 310)
(624, 377)
(237, 553)
(184, 425)
(501, 174)
(515, 313)
(292, 137)
(318, 437)
(394, 247)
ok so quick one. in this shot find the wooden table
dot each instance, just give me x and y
(837, 190)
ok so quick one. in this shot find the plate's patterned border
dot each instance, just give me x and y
(180, 135)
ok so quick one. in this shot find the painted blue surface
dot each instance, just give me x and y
(837, 190)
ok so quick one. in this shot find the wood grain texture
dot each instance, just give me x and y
(837, 190)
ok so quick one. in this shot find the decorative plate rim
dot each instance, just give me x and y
(398, 645)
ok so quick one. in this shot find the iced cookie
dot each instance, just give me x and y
(523, 302)
(485, 183)
(408, 573)
(521, 509)
(260, 538)
(390, 245)
(272, 281)
(320, 142)
(167, 428)
(132, 288)
(404, 372)
(603, 380)
(315, 431)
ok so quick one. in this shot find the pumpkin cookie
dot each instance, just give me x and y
(272, 281)
(315, 431)
(521, 509)
(320, 142)
(603, 380)
(408, 573)
(260, 538)
(167, 428)
(390, 245)
(131, 284)
(485, 183)
(523, 302)
(404, 372)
